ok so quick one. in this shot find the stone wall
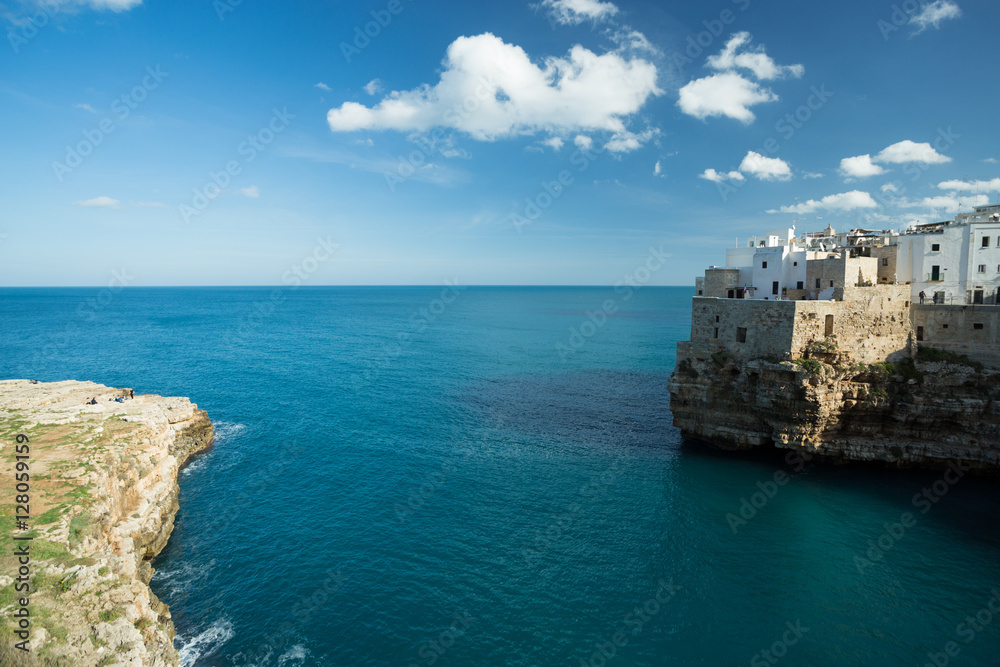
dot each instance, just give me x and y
(886, 257)
(719, 282)
(872, 322)
(963, 329)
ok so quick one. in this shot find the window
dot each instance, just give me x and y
(761, 244)
(817, 283)
(795, 263)
(986, 241)
(982, 268)
(763, 265)
(716, 333)
(799, 285)
(920, 333)
(944, 326)
(831, 283)
(699, 292)
(774, 287)
(935, 247)
(885, 261)
(741, 334)
(732, 294)
(716, 321)
(977, 325)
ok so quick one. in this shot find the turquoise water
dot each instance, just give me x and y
(412, 476)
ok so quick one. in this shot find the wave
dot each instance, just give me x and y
(294, 656)
(205, 643)
(224, 431)
(179, 580)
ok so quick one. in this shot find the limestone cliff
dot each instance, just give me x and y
(912, 413)
(103, 487)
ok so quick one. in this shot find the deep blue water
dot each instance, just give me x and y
(403, 481)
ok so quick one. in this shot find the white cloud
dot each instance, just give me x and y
(765, 168)
(555, 143)
(890, 187)
(626, 141)
(573, 12)
(990, 160)
(734, 56)
(910, 151)
(845, 201)
(252, 192)
(727, 94)
(85, 107)
(934, 13)
(373, 87)
(657, 169)
(490, 89)
(811, 174)
(100, 202)
(944, 202)
(860, 166)
(583, 141)
(718, 177)
(323, 86)
(972, 186)
(627, 38)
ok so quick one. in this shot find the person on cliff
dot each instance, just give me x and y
(131, 393)
(922, 296)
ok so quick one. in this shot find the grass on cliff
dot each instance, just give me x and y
(933, 354)
(810, 365)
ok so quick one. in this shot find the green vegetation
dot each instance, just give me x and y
(103, 571)
(880, 392)
(826, 346)
(720, 358)
(81, 527)
(932, 354)
(883, 368)
(810, 365)
(110, 615)
(909, 371)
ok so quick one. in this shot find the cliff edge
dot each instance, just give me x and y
(935, 409)
(103, 496)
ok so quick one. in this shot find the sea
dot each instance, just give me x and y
(490, 476)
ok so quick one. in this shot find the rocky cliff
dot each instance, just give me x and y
(927, 411)
(103, 495)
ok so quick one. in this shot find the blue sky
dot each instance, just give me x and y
(233, 142)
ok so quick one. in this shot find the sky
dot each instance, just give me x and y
(410, 142)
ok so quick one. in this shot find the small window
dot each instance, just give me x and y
(795, 263)
(741, 334)
(885, 261)
(761, 244)
(716, 321)
(799, 285)
(774, 287)
(732, 294)
(935, 247)
(986, 241)
(716, 333)
(982, 268)
(944, 326)
(817, 283)
(977, 325)
(831, 283)
(920, 333)
(699, 292)
(763, 265)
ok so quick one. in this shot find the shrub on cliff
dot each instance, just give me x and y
(933, 354)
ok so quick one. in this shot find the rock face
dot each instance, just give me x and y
(913, 413)
(103, 500)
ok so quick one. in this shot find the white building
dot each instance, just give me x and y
(957, 262)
